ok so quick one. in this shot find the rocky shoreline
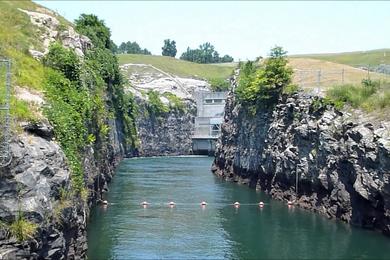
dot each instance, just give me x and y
(342, 161)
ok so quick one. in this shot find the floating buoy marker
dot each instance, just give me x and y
(236, 204)
(261, 204)
(105, 202)
(290, 203)
(145, 204)
(172, 204)
(203, 203)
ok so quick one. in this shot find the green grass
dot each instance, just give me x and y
(17, 35)
(180, 67)
(370, 95)
(355, 59)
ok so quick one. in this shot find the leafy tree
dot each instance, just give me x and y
(206, 53)
(90, 25)
(264, 85)
(169, 48)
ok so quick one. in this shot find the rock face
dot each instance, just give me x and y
(166, 134)
(32, 185)
(342, 163)
(50, 31)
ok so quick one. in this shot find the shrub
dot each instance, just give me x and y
(219, 84)
(155, 105)
(175, 102)
(64, 60)
(355, 95)
(22, 229)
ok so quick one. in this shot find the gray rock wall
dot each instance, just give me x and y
(32, 184)
(341, 160)
(166, 134)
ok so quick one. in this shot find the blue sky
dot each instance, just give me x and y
(242, 29)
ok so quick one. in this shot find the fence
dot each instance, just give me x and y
(329, 77)
(5, 135)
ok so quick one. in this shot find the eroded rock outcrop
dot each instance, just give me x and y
(341, 160)
(50, 30)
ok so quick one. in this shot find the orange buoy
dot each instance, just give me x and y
(203, 203)
(261, 204)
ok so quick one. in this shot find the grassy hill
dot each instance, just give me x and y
(356, 59)
(306, 73)
(180, 67)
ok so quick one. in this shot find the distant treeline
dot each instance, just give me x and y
(132, 48)
(206, 52)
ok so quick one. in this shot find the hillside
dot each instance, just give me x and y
(179, 67)
(332, 73)
(355, 59)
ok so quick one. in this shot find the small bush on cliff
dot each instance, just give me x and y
(22, 229)
(175, 102)
(155, 106)
(263, 86)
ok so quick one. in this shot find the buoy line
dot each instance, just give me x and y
(203, 204)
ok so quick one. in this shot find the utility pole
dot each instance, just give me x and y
(319, 78)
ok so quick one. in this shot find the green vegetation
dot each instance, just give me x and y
(219, 84)
(22, 229)
(169, 48)
(206, 53)
(370, 95)
(358, 58)
(175, 102)
(77, 90)
(64, 202)
(179, 67)
(262, 86)
(132, 48)
(63, 60)
(155, 106)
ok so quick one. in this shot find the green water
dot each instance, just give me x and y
(125, 230)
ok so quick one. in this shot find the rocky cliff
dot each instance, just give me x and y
(37, 183)
(340, 161)
(166, 134)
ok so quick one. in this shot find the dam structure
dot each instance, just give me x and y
(210, 112)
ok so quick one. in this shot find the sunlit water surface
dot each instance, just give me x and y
(125, 230)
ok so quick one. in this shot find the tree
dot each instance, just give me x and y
(169, 48)
(95, 29)
(264, 85)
